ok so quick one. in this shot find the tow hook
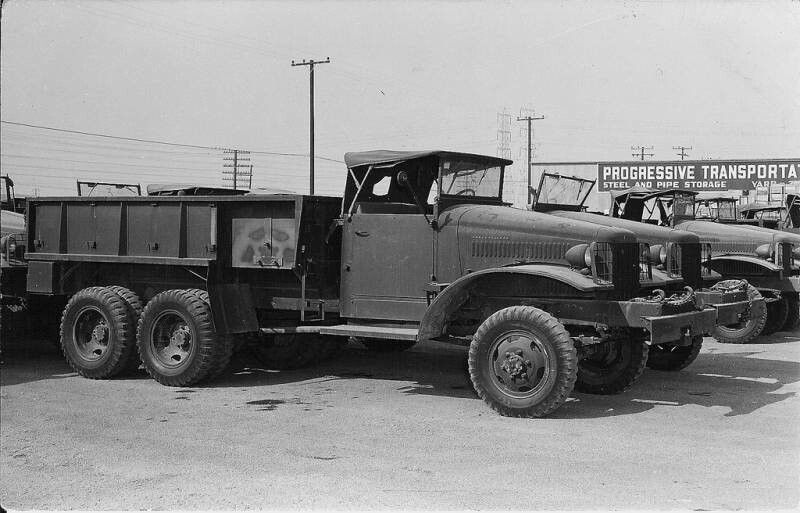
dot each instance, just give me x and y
(516, 366)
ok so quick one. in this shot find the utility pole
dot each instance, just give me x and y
(236, 162)
(310, 65)
(640, 151)
(529, 119)
(683, 149)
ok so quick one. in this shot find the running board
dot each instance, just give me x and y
(354, 330)
(350, 330)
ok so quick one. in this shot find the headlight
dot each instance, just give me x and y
(8, 244)
(579, 256)
(765, 251)
(658, 254)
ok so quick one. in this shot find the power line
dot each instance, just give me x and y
(152, 141)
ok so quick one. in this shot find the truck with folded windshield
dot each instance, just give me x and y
(679, 261)
(768, 259)
(421, 246)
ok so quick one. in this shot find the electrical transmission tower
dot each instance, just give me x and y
(640, 151)
(311, 65)
(504, 135)
(529, 116)
(238, 169)
(683, 149)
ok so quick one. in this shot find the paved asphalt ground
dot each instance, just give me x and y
(371, 431)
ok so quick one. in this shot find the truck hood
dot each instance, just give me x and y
(731, 234)
(491, 235)
(648, 233)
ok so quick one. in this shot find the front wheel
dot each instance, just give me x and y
(777, 315)
(667, 357)
(613, 366)
(793, 317)
(750, 325)
(522, 362)
(176, 338)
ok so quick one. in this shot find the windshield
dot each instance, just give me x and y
(468, 178)
(107, 189)
(563, 190)
(3, 191)
(683, 206)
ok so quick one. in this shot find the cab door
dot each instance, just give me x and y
(387, 261)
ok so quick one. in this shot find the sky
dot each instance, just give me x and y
(720, 77)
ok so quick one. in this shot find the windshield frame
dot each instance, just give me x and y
(540, 205)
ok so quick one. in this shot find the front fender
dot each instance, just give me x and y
(718, 261)
(454, 295)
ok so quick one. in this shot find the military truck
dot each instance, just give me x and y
(768, 259)
(775, 216)
(420, 247)
(678, 258)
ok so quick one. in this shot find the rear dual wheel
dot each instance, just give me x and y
(177, 341)
(98, 333)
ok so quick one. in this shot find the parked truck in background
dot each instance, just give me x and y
(679, 261)
(768, 259)
(421, 246)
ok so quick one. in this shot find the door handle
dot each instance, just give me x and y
(362, 233)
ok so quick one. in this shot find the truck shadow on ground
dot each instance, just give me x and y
(741, 383)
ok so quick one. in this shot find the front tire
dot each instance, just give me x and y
(522, 362)
(97, 334)
(793, 317)
(612, 367)
(777, 315)
(749, 327)
(176, 338)
(666, 357)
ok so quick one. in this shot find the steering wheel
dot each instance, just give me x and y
(466, 192)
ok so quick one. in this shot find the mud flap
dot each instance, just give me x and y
(233, 308)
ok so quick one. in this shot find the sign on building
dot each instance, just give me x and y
(700, 175)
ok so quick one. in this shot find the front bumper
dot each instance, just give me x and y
(682, 326)
(658, 317)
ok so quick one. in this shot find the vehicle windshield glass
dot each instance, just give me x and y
(470, 178)
(769, 214)
(683, 206)
(3, 190)
(563, 190)
(107, 189)
(726, 210)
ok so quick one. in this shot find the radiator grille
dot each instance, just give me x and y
(602, 262)
(626, 269)
(674, 259)
(645, 269)
(705, 258)
(506, 248)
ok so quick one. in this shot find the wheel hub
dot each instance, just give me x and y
(521, 363)
(99, 333)
(516, 365)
